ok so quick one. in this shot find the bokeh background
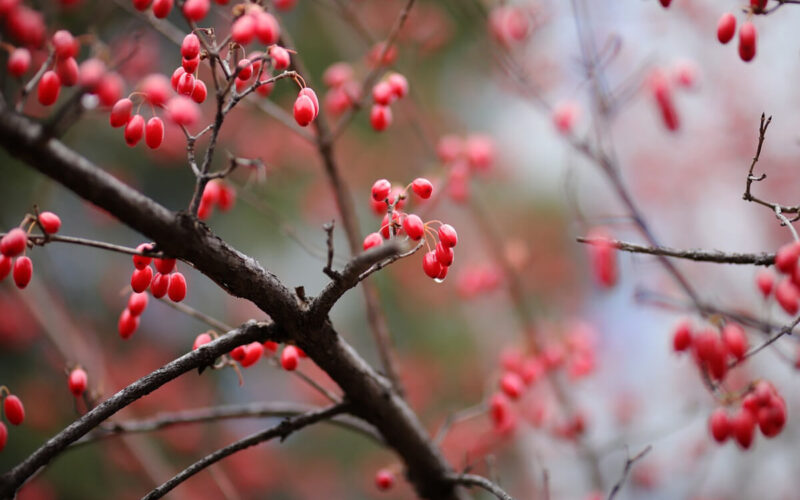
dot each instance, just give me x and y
(526, 209)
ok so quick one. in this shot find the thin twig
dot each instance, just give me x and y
(481, 482)
(628, 465)
(716, 256)
(42, 240)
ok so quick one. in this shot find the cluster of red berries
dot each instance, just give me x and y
(343, 90)
(462, 157)
(254, 23)
(135, 126)
(22, 23)
(440, 255)
(762, 406)
(384, 93)
(248, 355)
(216, 193)
(787, 291)
(510, 24)
(711, 350)
(14, 244)
(194, 10)
(603, 258)
(479, 279)
(726, 29)
(65, 68)
(166, 281)
(13, 411)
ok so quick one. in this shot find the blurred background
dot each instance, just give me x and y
(518, 212)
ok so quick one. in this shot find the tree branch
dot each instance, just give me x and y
(719, 257)
(626, 470)
(481, 482)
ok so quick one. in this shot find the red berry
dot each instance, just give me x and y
(726, 27)
(565, 114)
(67, 70)
(372, 240)
(183, 111)
(380, 117)
(381, 189)
(23, 271)
(5, 266)
(245, 69)
(177, 287)
(156, 89)
(190, 47)
(15, 412)
(422, 187)
(786, 257)
(244, 30)
(735, 340)
(154, 132)
(399, 85)
(49, 87)
(444, 255)
(280, 57)
(252, 353)
(64, 44)
(137, 303)
(337, 74)
(448, 235)
(162, 8)
(382, 93)
(109, 89)
(164, 266)
(159, 285)
(303, 110)
(196, 10)
(127, 324)
(480, 151)
(14, 242)
(141, 4)
(665, 3)
(140, 261)
(414, 227)
(140, 279)
(227, 197)
(134, 130)
(788, 296)
(431, 265)
(3, 436)
(719, 425)
(747, 41)
(267, 29)
(384, 479)
(19, 61)
(449, 148)
(512, 385)
(186, 84)
(742, 426)
(284, 4)
(121, 112)
(238, 353)
(201, 340)
(499, 410)
(199, 92)
(309, 92)
(77, 382)
(765, 280)
(289, 357)
(270, 347)
(91, 73)
(682, 336)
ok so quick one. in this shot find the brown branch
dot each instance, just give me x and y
(481, 482)
(282, 430)
(626, 470)
(716, 256)
(42, 240)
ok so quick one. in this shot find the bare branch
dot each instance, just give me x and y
(719, 257)
(481, 482)
(42, 240)
(628, 465)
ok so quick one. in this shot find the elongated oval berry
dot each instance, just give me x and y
(154, 132)
(289, 358)
(512, 385)
(726, 27)
(141, 5)
(127, 324)
(309, 92)
(186, 84)
(121, 112)
(67, 71)
(747, 41)
(765, 280)
(159, 285)
(164, 266)
(422, 187)
(382, 93)
(142, 261)
(201, 340)
(270, 348)
(162, 8)
(244, 30)
(414, 227)
(183, 111)
(19, 61)
(372, 240)
(64, 44)
(196, 10)
(5, 266)
(23, 271)
(788, 296)
(50, 222)
(431, 265)
(280, 57)
(137, 303)
(399, 85)
(177, 287)
(252, 353)
(444, 255)
(682, 336)
(719, 425)
(140, 279)
(381, 189)
(380, 117)
(15, 412)
(199, 92)
(303, 110)
(190, 47)
(14, 242)
(735, 340)
(49, 88)
(384, 479)
(245, 69)
(448, 235)
(134, 130)
(3, 436)
(267, 28)
(786, 257)
(742, 428)
(238, 353)
(77, 382)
